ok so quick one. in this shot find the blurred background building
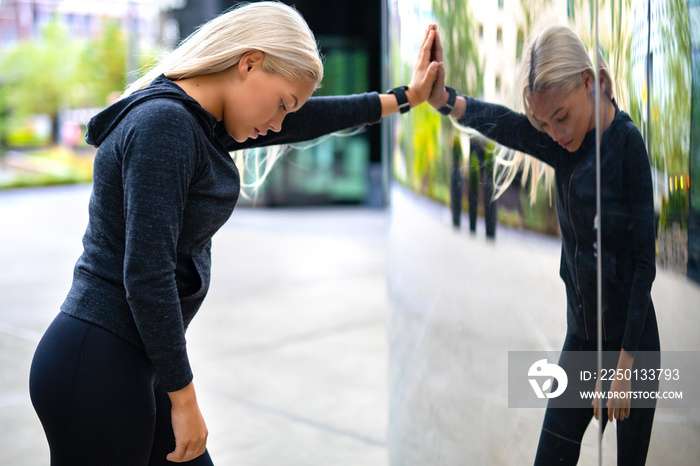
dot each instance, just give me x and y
(22, 20)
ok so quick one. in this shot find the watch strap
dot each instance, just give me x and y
(451, 99)
(401, 98)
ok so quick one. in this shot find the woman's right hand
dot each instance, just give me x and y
(188, 425)
(438, 95)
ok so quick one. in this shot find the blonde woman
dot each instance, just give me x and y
(558, 129)
(110, 380)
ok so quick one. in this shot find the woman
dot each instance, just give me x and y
(558, 128)
(110, 380)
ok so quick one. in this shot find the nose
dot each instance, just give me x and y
(557, 134)
(275, 124)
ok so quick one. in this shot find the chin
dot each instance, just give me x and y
(573, 147)
(238, 138)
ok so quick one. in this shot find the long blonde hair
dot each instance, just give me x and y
(278, 30)
(556, 59)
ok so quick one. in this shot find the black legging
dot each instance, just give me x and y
(563, 428)
(98, 399)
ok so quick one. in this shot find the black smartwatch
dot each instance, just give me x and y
(401, 99)
(451, 99)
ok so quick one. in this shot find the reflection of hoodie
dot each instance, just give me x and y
(163, 185)
(627, 219)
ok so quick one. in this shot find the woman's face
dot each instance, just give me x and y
(566, 116)
(262, 102)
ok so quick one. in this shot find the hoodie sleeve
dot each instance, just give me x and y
(317, 117)
(159, 158)
(508, 128)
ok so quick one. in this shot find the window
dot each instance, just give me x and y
(500, 4)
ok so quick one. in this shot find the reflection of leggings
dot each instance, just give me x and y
(98, 399)
(563, 428)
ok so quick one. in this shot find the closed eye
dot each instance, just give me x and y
(561, 120)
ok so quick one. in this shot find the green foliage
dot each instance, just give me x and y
(474, 170)
(50, 167)
(56, 72)
(463, 67)
(675, 209)
(102, 65)
(4, 118)
(429, 160)
(457, 150)
(540, 216)
(24, 136)
(41, 73)
(670, 105)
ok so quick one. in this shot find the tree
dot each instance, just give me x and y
(465, 69)
(4, 117)
(103, 64)
(41, 75)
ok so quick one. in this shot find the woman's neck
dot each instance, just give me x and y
(205, 90)
(607, 113)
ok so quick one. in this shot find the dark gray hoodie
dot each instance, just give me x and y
(163, 184)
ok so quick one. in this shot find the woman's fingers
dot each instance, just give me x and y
(436, 51)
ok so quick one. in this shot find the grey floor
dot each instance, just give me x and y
(305, 353)
(289, 350)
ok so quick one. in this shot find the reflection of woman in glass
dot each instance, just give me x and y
(110, 380)
(558, 128)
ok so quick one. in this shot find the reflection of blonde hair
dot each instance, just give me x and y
(556, 59)
(274, 28)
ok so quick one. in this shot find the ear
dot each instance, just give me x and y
(250, 61)
(603, 86)
(588, 82)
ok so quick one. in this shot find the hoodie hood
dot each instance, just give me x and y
(99, 126)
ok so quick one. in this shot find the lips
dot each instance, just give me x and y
(567, 144)
(257, 132)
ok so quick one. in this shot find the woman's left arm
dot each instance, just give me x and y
(317, 117)
(325, 115)
(638, 187)
(639, 192)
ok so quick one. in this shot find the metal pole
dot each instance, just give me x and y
(649, 65)
(598, 249)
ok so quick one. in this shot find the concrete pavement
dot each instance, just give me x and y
(339, 336)
(289, 349)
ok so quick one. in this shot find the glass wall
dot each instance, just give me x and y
(464, 304)
(694, 211)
